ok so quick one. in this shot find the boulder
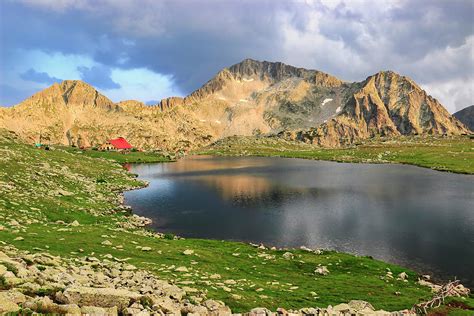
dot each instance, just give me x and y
(260, 311)
(323, 270)
(165, 305)
(46, 306)
(194, 310)
(342, 308)
(288, 255)
(403, 276)
(100, 297)
(217, 308)
(99, 311)
(181, 269)
(359, 305)
(7, 305)
(13, 296)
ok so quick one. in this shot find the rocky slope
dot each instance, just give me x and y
(385, 104)
(466, 116)
(47, 284)
(74, 113)
(249, 98)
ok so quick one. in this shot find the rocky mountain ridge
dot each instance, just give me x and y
(466, 116)
(385, 104)
(248, 98)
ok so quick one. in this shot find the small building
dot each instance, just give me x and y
(119, 144)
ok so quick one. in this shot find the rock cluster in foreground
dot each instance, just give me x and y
(44, 283)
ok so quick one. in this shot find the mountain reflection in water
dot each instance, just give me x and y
(412, 216)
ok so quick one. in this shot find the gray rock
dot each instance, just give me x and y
(260, 311)
(360, 305)
(101, 297)
(288, 255)
(99, 311)
(323, 270)
(7, 305)
(217, 308)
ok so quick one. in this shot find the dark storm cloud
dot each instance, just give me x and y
(40, 77)
(98, 76)
(430, 41)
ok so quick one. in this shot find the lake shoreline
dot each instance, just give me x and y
(71, 206)
(419, 267)
(454, 154)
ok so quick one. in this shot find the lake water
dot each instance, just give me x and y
(416, 217)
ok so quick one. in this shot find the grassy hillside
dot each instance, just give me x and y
(43, 192)
(122, 157)
(454, 154)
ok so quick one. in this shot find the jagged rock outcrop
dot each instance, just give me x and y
(171, 102)
(466, 116)
(386, 104)
(248, 98)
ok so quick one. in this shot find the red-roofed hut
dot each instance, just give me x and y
(119, 143)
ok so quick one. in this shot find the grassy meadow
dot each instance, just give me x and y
(43, 192)
(453, 154)
(122, 157)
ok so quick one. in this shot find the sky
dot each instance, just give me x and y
(148, 50)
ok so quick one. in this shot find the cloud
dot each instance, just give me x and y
(190, 41)
(459, 93)
(40, 77)
(141, 82)
(98, 76)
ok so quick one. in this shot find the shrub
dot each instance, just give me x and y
(169, 236)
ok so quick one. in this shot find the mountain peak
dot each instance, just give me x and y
(274, 71)
(249, 97)
(67, 85)
(69, 93)
(251, 71)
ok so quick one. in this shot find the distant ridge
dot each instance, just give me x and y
(249, 98)
(466, 116)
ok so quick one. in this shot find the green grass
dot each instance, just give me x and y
(454, 154)
(123, 157)
(91, 188)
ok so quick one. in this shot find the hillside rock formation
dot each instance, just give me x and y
(466, 116)
(249, 98)
(385, 104)
(74, 113)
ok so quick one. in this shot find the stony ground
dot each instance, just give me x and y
(64, 233)
(43, 283)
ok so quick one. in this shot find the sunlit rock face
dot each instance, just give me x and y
(385, 104)
(249, 98)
